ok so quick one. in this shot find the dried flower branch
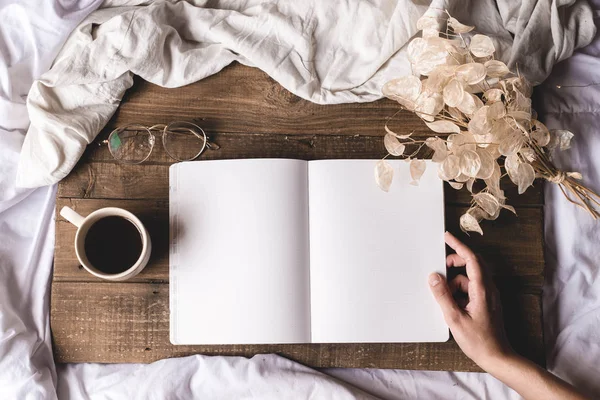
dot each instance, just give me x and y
(460, 90)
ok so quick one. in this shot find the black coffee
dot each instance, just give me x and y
(113, 245)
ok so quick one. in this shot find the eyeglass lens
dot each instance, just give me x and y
(131, 144)
(184, 141)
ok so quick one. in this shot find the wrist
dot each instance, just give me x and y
(527, 378)
(497, 362)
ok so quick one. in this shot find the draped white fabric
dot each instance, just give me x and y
(31, 33)
(326, 52)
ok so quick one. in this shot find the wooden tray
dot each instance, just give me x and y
(250, 115)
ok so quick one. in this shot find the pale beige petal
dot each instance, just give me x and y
(469, 104)
(439, 147)
(471, 73)
(478, 213)
(496, 110)
(509, 208)
(487, 164)
(453, 93)
(479, 124)
(470, 183)
(404, 90)
(455, 141)
(417, 168)
(493, 95)
(481, 46)
(443, 126)
(427, 22)
(393, 145)
(493, 182)
(462, 178)
(456, 185)
(511, 143)
(415, 49)
(469, 223)
(540, 133)
(526, 176)
(528, 154)
(384, 173)
(511, 165)
(457, 27)
(470, 163)
(398, 135)
(449, 168)
(496, 69)
(487, 202)
(560, 138)
(437, 80)
(428, 106)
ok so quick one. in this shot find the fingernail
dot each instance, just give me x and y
(434, 279)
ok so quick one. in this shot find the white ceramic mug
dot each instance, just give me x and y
(83, 224)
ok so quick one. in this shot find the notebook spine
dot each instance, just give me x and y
(173, 248)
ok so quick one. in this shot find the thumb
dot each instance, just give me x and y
(441, 292)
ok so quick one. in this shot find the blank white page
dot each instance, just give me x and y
(239, 252)
(371, 254)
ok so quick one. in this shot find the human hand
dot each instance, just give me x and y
(476, 324)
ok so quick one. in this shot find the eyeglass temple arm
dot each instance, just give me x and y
(211, 145)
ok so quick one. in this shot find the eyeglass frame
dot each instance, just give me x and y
(152, 138)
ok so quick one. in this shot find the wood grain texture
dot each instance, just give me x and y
(518, 262)
(130, 323)
(98, 175)
(246, 100)
(251, 116)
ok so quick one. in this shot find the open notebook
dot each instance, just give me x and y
(291, 251)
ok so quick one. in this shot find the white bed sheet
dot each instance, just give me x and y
(31, 33)
(29, 37)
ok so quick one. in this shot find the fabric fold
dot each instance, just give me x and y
(324, 52)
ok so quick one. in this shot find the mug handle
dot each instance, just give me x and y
(71, 216)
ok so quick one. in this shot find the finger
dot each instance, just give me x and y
(441, 292)
(454, 260)
(486, 269)
(461, 249)
(460, 282)
(473, 267)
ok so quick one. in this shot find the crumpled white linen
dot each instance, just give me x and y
(572, 289)
(266, 377)
(31, 34)
(572, 292)
(326, 52)
(261, 377)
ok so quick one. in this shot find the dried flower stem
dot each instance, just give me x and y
(449, 92)
(546, 170)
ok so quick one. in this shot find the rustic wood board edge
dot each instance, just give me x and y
(98, 175)
(133, 326)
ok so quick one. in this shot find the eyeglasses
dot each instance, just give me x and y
(133, 144)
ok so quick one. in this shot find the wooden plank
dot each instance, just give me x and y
(251, 116)
(243, 99)
(112, 180)
(513, 245)
(130, 323)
